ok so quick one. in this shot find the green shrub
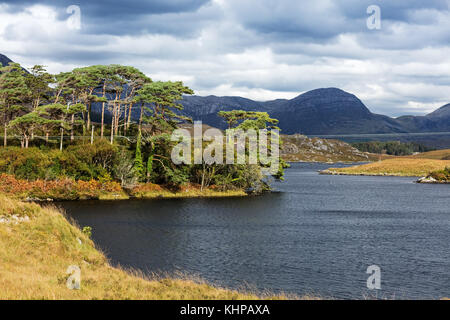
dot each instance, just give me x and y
(29, 164)
(80, 162)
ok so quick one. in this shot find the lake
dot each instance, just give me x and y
(316, 234)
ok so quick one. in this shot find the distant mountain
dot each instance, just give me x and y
(298, 147)
(331, 111)
(4, 60)
(325, 111)
(437, 121)
(206, 108)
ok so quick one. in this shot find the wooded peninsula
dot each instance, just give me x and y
(52, 148)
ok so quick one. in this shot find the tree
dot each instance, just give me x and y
(26, 125)
(233, 117)
(62, 113)
(246, 120)
(38, 82)
(134, 80)
(107, 78)
(163, 98)
(65, 84)
(253, 120)
(88, 79)
(116, 88)
(50, 123)
(124, 168)
(13, 92)
(149, 167)
(138, 163)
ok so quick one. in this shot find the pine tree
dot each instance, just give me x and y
(13, 91)
(149, 167)
(138, 163)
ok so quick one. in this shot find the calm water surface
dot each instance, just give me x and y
(317, 235)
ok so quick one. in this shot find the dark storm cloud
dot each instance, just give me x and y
(113, 8)
(249, 47)
(320, 20)
(118, 17)
(391, 9)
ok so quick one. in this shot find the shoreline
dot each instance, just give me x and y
(206, 194)
(336, 162)
(334, 173)
(77, 190)
(420, 180)
(25, 275)
(396, 167)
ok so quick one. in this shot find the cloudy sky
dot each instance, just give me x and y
(259, 49)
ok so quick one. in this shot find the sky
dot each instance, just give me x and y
(258, 49)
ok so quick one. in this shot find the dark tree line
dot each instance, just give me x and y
(395, 148)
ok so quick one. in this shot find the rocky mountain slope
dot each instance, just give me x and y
(318, 112)
(301, 148)
(4, 60)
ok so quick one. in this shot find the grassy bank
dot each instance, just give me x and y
(150, 191)
(38, 245)
(402, 166)
(437, 154)
(69, 189)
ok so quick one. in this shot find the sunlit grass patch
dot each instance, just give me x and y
(34, 257)
(395, 167)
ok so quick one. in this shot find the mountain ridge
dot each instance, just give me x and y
(4, 60)
(323, 111)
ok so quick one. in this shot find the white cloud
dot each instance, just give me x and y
(258, 50)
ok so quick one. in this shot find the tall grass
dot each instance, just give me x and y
(35, 255)
(395, 167)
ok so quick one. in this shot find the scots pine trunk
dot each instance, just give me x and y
(62, 138)
(141, 116)
(129, 116)
(89, 116)
(103, 111)
(5, 132)
(72, 128)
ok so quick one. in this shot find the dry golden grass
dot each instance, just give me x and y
(401, 166)
(150, 191)
(35, 255)
(208, 193)
(438, 155)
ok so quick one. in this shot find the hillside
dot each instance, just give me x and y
(301, 148)
(420, 165)
(331, 111)
(4, 60)
(401, 166)
(437, 121)
(298, 147)
(437, 154)
(38, 245)
(323, 111)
